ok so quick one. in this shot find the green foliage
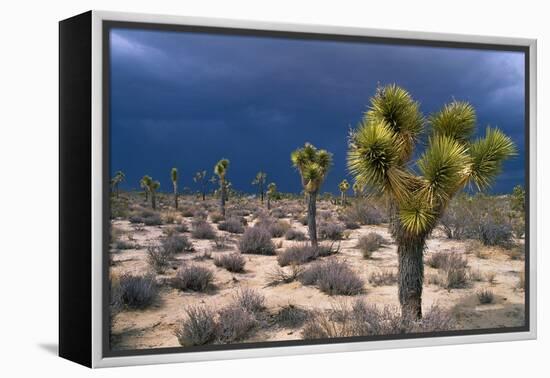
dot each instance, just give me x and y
(313, 165)
(518, 199)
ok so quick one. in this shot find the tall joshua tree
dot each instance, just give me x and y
(152, 188)
(271, 192)
(116, 180)
(379, 156)
(260, 180)
(344, 187)
(356, 189)
(313, 165)
(144, 184)
(174, 177)
(220, 169)
(202, 181)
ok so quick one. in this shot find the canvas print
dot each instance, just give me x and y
(279, 188)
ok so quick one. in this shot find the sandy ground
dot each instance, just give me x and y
(154, 327)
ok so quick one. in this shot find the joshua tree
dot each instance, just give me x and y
(313, 165)
(116, 180)
(220, 169)
(518, 199)
(344, 187)
(174, 177)
(271, 192)
(260, 180)
(144, 184)
(356, 189)
(201, 180)
(152, 187)
(379, 155)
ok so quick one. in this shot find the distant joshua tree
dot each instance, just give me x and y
(379, 155)
(116, 180)
(313, 165)
(344, 187)
(518, 199)
(220, 169)
(356, 189)
(202, 181)
(174, 177)
(260, 180)
(152, 187)
(271, 193)
(144, 184)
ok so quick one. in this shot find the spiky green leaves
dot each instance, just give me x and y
(174, 175)
(221, 167)
(344, 185)
(395, 107)
(416, 216)
(271, 189)
(445, 167)
(487, 156)
(313, 165)
(456, 120)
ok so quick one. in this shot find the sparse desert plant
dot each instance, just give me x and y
(216, 217)
(257, 240)
(198, 328)
(292, 234)
(383, 278)
(233, 262)
(475, 275)
(234, 324)
(473, 247)
(181, 227)
(343, 187)
(516, 252)
(379, 156)
(278, 228)
(193, 277)
(369, 243)
(158, 258)
(495, 233)
(188, 211)
(301, 254)
(201, 179)
(152, 187)
(331, 231)
(116, 180)
(485, 296)
(232, 225)
(123, 244)
(291, 316)
(278, 213)
(221, 242)
(203, 230)
(490, 277)
(260, 181)
(452, 267)
(280, 276)
(144, 184)
(333, 277)
(363, 212)
(249, 299)
(206, 255)
(137, 291)
(176, 244)
(271, 194)
(313, 165)
(220, 169)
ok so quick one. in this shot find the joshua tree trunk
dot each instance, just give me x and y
(203, 195)
(311, 212)
(342, 199)
(268, 203)
(411, 276)
(116, 190)
(153, 201)
(222, 199)
(146, 196)
(176, 196)
(262, 193)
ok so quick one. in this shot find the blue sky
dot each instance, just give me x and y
(185, 100)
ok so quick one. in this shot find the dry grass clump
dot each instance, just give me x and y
(485, 296)
(333, 277)
(473, 247)
(383, 278)
(280, 276)
(301, 254)
(147, 217)
(232, 225)
(176, 244)
(135, 292)
(278, 212)
(199, 327)
(452, 266)
(234, 324)
(203, 230)
(257, 240)
(158, 258)
(363, 213)
(233, 262)
(250, 299)
(216, 217)
(330, 231)
(364, 320)
(291, 316)
(221, 242)
(193, 277)
(292, 234)
(491, 277)
(370, 243)
(188, 211)
(181, 227)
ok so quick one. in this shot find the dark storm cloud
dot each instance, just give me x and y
(188, 99)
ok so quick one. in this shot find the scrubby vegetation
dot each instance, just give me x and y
(301, 254)
(333, 277)
(233, 262)
(369, 243)
(257, 240)
(193, 277)
(135, 292)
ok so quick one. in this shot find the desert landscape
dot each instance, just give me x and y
(192, 276)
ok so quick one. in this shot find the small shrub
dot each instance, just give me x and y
(188, 211)
(516, 253)
(199, 328)
(137, 291)
(203, 230)
(473, 247)
(278, 229)
(280, 276)
(176, 244)
(383, 278)
(351, 225)
(206, 255)
(490, 277)
(158, 258)
(485, 296)
(169, 219)
(331, 231)
(278, 213)
(363, 213)
(232, 225)
(369, 243)
(495, 233)
(257, 240)
(301, 254)
(216, 217)
(221, 242)
(233, 262)
(453, 269)
(291, 316)
(475, 275)
(235, 323)
(333, 277)
(444, 260)
(182, 227)
(250, 300)
(292, 234)
(193, 277)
